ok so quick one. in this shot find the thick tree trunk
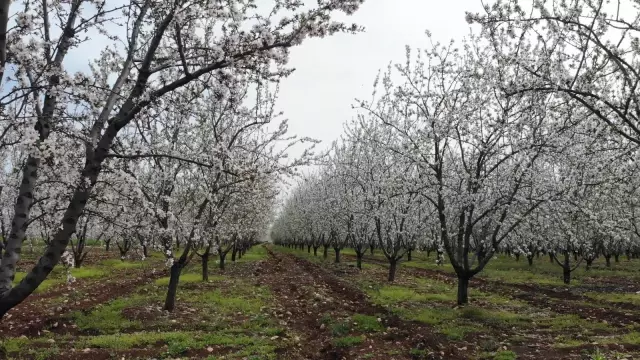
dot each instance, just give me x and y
(325, 254)
(106, 244)
(371, 248)
(174, 278)
(308, 249)
(359, 260)
(566, 275)
(575, 256)
(409, 255)
(393, 266)
(617, 257)
(517, 257)
(530, 259)
(337, 251)
(607, 259)
(550, 257)
(463, 290)
(315, 251)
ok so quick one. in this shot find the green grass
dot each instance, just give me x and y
(188, 278)
(340, 328)
(119, 264)
(569, 322)
(256, 253)
(230, 303)
(107, 318)
(347, 341)
(179, 342)
(44, 286)
(631, 298)
(394, 294)
(367, 323)
(88, 272)
(505, 355)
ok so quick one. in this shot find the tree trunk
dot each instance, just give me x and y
(530, 259)
(566, 275)
(607, 259)
(393, 266)
(308, 249)
(106, 244)
(174, 278)
(315, 251)
(589, 263)
(205, 266)
(359, 260)
(575, 256)
(337, 251)
(371, 248)
(409, 255)
(463, 290)
(234, 252)
(617, 257)
(325, 254)
(223, 255)
(517, 257)
(551, 257)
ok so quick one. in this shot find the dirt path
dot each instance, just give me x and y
(307, 294)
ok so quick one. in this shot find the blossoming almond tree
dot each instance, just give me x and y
(162, 47)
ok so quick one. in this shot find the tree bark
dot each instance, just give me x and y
(359, 260)
(205, 266)
(617, 257)
(607, 259)
(371, 248)
(566, 275)
(315, 251)
(393, 266)
(530, 259)
(337, 251)
(174, 278)
(517, 257)
(325, 254)
(463, 290)
(223, 255)
(234, 252)
(409, 255)
(589, 263)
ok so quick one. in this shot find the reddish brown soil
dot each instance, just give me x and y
(306, 293)
(33, 316)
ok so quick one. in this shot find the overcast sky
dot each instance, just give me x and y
(332, 72)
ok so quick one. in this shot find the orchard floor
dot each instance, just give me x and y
(279, 303)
